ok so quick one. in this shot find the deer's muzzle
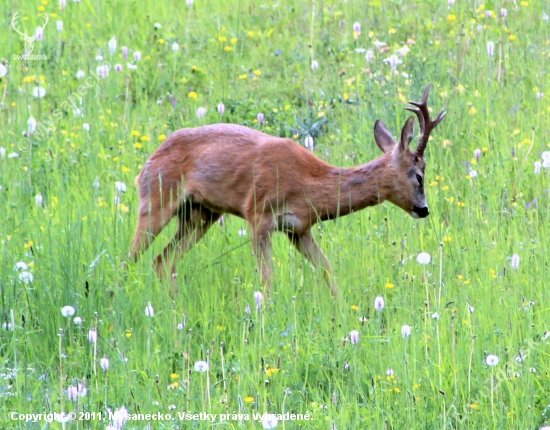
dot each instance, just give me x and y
(421, 212)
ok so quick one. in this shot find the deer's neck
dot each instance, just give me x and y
(351, 189)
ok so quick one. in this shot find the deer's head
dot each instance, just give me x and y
(406, 168)
(29, 40)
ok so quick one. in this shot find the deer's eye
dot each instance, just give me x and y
(420, 179)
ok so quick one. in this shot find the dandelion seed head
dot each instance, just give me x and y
(201, 366)
(39, 92)
(491, 360)
(424, 258)
(269, 421)
(515, 261)
(67, 311)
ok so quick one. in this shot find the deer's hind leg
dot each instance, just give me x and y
(194, 220)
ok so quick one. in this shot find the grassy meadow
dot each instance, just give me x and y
(459, 343)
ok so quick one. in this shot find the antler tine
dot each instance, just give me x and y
(13, 19)
(426, 124)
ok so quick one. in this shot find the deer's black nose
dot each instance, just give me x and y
(422, 212)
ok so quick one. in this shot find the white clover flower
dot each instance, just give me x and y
(369, 56)
(38, 199)
(72, 393)
(149, 311)
(112, 45)
(515, 261)
(67, 311)
(314, 65)
(103, 71)
(175, 47)
(477, 154)
(80, 74)
(201, 112)
(258, 297)
(201, 366)
(435, 315)
(406, 331)
(104, 364)
(119, 417)
(393, 61)
(77, 320)
(379, 303)
(31, 125)
(86, 126)
(82, 390)
(309, 142)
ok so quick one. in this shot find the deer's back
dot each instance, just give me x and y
(231, 168)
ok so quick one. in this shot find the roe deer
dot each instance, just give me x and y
(198, 174)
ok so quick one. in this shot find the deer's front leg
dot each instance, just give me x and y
(306, 245)
(261, 241)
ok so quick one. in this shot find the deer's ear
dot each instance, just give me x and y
(383, 137)
(407, 134)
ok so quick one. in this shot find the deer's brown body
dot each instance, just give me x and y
(199, 174)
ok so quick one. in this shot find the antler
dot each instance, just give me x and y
(46, 21)
(15, 15)
(426, 124)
